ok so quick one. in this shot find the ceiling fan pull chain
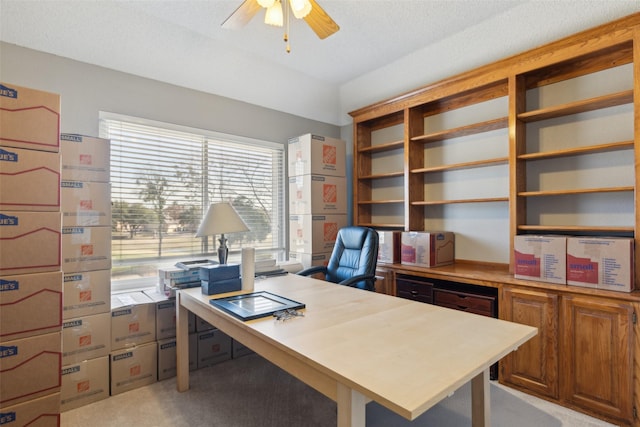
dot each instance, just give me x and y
(286, 28)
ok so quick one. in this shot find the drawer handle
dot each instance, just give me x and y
(414, 292)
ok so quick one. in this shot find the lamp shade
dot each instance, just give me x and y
(221, 218)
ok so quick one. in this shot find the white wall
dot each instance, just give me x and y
(87, 89)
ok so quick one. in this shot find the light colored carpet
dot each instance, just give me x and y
(251, 392)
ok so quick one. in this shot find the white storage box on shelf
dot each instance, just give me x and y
(389, 246)
(428, 248)
(540, 258)
(602, 263)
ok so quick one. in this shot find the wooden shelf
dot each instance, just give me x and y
(464, 165)
(605, 101)
(622, 145)
(472, 129)
(576, 228)
(382, 175)
(382, 147)
(380, 202)
(575, 191)
(383, 225)
(452, 201)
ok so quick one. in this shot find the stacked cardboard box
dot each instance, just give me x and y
(317, 197)
(207, 345)
(85, 195)
(133, 359)
(389, 247)
(30, 276)
(592, 262)
(427, 248)
(173, 278)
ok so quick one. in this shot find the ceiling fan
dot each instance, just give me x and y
(309, 10)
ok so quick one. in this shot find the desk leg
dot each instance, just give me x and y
(481, 400)
(351, 407)
(182, 345)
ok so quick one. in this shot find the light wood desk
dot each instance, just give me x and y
(355, 346)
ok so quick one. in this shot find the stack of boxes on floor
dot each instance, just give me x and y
(30, 276)
(317, 197)
(134, 349)
(207, 345)
(86, 264)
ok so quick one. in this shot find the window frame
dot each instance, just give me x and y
(279, 239)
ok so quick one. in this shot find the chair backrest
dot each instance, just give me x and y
(354, 253)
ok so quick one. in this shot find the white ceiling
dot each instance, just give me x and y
(182, 42)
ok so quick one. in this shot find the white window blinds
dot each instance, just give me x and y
(164, 177)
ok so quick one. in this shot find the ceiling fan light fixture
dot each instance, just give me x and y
(301, 8)
(266, 3)
(274, 15)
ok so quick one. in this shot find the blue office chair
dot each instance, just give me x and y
(353, 260)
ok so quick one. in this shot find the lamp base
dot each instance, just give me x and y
(223, 250)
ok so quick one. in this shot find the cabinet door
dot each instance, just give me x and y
(384, 281)
(534, 366)
(598, 355)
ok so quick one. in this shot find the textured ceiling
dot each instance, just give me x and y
(182, 42)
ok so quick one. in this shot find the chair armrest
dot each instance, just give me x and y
(355, 279)
(313, 270)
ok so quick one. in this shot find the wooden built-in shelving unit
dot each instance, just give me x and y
(543, 142)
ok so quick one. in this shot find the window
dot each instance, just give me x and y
(163, 178)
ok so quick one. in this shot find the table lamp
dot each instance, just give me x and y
(221, 218)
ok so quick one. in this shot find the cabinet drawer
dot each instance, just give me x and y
(415, 290)
(478, 304)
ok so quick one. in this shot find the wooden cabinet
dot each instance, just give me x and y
(583, 353)
(414, 288)
(465, 301)
(534, 366)
(597, 356)
(384, 280)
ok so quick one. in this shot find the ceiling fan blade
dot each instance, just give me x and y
(242, 15)
(320, 22)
